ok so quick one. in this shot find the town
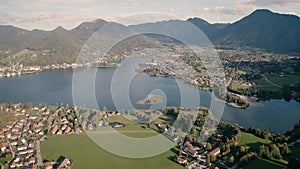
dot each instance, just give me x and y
(24, 127)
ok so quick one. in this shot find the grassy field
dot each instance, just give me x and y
(262, 164)
(252, 141)
(281, 81)
(133, 129)
(88, 155)
(295, 153)
(237, 85)
(137, 130)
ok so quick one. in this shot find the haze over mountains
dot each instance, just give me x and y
(261, 29)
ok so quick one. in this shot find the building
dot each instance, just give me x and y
(182, 161)
(48, 165)
(54, 129)
(215, 152)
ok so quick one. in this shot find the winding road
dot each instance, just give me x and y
(271, 83)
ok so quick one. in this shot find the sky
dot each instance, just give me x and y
(48, 14)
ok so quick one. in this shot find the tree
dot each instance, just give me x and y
(208, 147)
(275, 152)
(228, 148)
(294, 163)
(76, 124)
(208, 161)
(193, 131)
(231, 159)
(264, 152)
(285, 149)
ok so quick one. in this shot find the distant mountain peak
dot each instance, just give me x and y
(263, 11)
(59, 28)
(199, 20)
(98, 21)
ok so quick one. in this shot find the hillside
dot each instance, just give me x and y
(263, 29)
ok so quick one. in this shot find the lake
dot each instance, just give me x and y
(54, 87)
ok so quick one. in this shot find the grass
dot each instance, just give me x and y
(262, 164)
(133, 129)
(252, 141)
(237, 85)
(264, 85)
(137, 130)
(285, 80)
(295, 153)
(86, 154)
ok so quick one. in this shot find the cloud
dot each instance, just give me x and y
(225, 10)
(270, 3)
(42, 20)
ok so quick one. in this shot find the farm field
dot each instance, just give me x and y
(252, 141)
(262, 164)
(86, 154)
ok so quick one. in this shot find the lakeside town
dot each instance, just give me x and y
(24, 127)
(246, 74)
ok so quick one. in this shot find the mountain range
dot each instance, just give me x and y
(261, 29)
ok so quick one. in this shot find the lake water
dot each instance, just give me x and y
(55, 87)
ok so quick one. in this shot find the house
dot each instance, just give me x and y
(59, 132)
(33, 117)
(14, 143)
(32, 160)
(83, 125)
(40, 124)
(190, 151)
(117, 125)
(14, 136)
(7, 151)
(162, 128)
(13, 165)
(21, 148)
(64, 127)
(215, 152)
(8, 134)
(1, 135)
(33, 166)
(54, 129)
(3, 146)
(203, 144)
(15, 128)
(182, 161)
(48, 165)
(68, 130)
(64, 164)
(90, 127)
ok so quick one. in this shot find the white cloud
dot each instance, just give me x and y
(270, 3)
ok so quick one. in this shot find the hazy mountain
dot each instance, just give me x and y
(209, 29)
(59, 46)
(87, 29)
(263, 29)
(15, 38)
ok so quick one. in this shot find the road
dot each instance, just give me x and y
(12, 152)
(271, 83)
(38, 154)
(292, 143)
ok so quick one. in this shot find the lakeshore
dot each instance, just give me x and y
(55, 87)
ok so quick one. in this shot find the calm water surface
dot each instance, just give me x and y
(55, 87)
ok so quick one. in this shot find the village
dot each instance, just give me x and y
(25, 126)
(21, 138)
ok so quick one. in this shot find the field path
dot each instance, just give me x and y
(271, 83)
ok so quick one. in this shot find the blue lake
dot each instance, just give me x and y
(55, 87)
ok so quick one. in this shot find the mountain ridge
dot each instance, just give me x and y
(261, 29)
